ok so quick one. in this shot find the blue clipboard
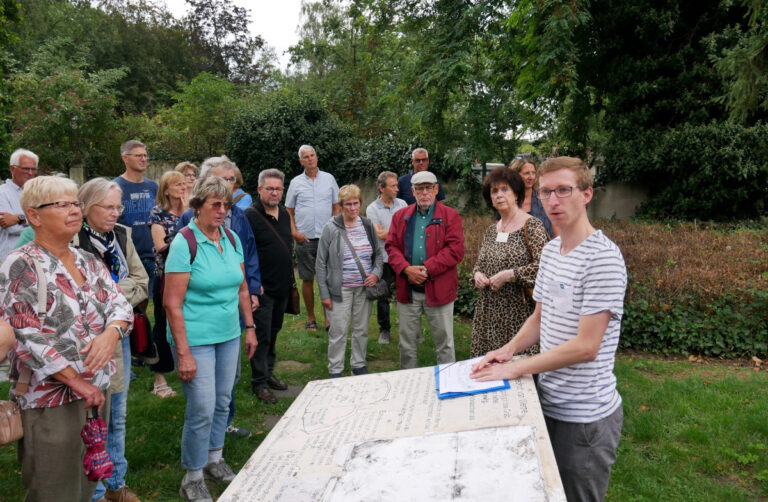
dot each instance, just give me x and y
(449, 395)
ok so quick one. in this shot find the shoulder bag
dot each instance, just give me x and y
(294, 304)
(378, 290)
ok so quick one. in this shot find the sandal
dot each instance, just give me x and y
(163, 391)
(311, 326)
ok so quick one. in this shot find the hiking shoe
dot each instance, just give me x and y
(219, 471)
(275, 383)
(195, 491)
(362, 370)
(335, 375)
(384, 336)
(265, 395)
(124, 494)
(238, 432)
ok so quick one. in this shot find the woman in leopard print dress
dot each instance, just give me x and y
(507, 265)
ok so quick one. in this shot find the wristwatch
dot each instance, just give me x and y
(22, 219)
(120, 331)
(250, 326)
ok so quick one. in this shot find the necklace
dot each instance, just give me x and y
(504, 227)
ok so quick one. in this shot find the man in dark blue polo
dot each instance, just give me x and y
(420, 161)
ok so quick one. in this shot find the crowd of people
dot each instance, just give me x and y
(219, 265)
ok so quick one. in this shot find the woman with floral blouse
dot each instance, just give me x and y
(69, 350)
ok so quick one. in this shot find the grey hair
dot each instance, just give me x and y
(21, 152)
(270, 173)
(306, 147)
(213, 186)
(129, 145)
(42, 189)
(93, 191)
(212, 163)
(383, 177)
(419, 150)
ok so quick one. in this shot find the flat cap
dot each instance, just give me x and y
(423, 177)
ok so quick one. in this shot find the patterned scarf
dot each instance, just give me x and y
(106, 245)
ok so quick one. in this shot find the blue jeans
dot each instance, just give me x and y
(208, 396)
(116, 436)
(231, 414)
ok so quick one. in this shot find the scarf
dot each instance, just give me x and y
(111, 255)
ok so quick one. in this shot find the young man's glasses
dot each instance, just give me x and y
(560, 192)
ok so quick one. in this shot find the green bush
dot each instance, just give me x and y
(715, 171)
(270, 132)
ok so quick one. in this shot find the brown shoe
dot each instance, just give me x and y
(265, 395)
(124, 494)
(275, 383)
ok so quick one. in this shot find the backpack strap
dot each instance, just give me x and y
(189, 235)
(238, 198)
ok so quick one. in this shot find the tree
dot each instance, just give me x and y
(219, 31)
(63, 113)
(269, 134)
(9, 14)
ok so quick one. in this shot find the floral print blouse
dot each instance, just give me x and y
(159, 216)
(75, 315)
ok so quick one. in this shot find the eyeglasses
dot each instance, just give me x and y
(25, 169)
(424, 188)
(218, 205)
(190, 176)
(112, 209)
(62, 204)
(138, 155)
(272, 189)
(421, 160)
(560, 192)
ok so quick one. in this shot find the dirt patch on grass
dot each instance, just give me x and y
(703, 367)
(383, 365)
(291, 366)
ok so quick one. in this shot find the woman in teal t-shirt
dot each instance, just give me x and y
(201, 301)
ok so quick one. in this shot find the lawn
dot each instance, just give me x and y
(692, 430)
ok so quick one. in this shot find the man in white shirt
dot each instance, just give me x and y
(380, 213)
(579, 297)
(312, 198)
(23, 168)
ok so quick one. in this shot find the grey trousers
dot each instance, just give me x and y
(356, 307)
(51, 453)
(440, 320)
(585, 454)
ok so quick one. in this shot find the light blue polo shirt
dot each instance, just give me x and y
(211, 304)
(312, 202)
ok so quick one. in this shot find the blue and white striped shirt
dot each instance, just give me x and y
(590, 279)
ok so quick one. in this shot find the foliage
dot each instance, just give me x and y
(719, 170)
(270, 132)
(218, 31)
(9, 13)
(65, 115)
(743, 62)
(198, 123)
(693, 288)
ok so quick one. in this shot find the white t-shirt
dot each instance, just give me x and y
(590, 279)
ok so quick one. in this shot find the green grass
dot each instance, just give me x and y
(691, 432)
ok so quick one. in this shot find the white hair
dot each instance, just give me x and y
(305, 147)
(21, 152)
(419, 150)
(212, 163)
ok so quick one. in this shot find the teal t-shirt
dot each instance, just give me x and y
(419, 255)
(210, 304)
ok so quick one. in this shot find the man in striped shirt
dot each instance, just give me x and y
(579, 297)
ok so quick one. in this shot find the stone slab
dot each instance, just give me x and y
(310, 451)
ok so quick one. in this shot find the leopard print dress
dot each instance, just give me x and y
(499, 314)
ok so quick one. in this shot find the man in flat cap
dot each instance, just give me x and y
(425, 244)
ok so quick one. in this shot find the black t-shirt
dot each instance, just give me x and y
(275, 258)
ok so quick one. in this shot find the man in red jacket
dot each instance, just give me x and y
(425, 244)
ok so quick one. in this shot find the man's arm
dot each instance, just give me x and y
(297, 236)
(335, 208)
(395, 247)
(582, 348)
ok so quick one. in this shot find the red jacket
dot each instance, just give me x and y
(445, 249)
